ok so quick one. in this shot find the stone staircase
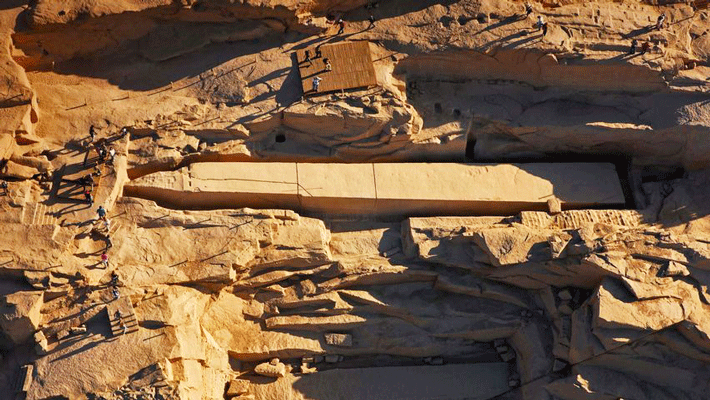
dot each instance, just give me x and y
(39, 214)
(128, 316)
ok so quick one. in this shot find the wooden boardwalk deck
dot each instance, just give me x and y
(352, 67)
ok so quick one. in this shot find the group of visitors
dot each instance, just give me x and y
(646, 46)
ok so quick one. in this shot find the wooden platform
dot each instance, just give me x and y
(352, 67)
(128, 315)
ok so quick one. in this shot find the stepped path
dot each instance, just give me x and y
(128, 316)
(39, 214)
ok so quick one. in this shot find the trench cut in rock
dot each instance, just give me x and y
(383, 190)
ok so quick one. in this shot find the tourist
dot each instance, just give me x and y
(540, 22)
(316, 83)
(645, 47)
(3, 185)
(102, 153)
(328, 66)
(116, 293)
(634, 43)
(124, 131)
(114, 279)
(109, 242)
(371, 18)
(104, 259)
(528, 9)
(319, 54)
(341, 23)
(92, 134)
(88, 197)
(101, 212)
(112, 154)
(107, 224)
(307, 56)
(660, 21)
(123, 327)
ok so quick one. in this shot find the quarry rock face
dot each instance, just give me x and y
(21, 315)
(507, 209)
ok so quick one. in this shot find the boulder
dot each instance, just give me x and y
(40, 163)
(19, 171)
(676, 269)
(308, 287)
(558, 243)
(20, 316)
(305, 369)
(565, 295)
(41, 344)
(339, 339)
(273, 369)
(237, 387)
(511, 245)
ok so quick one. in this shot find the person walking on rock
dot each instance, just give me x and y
(528, 9)
(3, 186)
(328, 66)
(316, 83)
(92, 134)
(319, 54)
(540, 22)
(371, 18)
(306, 56)
(116, 293)
(109, 242)
(88, 197)
(104, 259)
(634, 43)
(660, 21)
(645, 47)
(101, 150)
(341, 24)
(101, 212)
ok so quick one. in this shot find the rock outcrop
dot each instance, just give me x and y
(378, 250)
